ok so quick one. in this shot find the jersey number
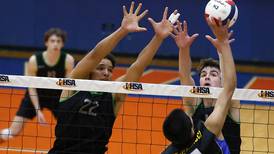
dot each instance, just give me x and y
(52, 74)
(89, 107)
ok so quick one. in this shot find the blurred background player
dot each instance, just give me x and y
(86, 118)
(50, 63)
(207, 137)
(210, 73)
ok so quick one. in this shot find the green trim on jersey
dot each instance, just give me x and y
(63, 99)
(96, 93)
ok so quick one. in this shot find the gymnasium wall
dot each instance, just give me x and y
(88, 21)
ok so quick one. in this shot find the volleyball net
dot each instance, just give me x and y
(138, 126)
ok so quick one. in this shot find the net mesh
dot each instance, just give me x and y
(138, 126)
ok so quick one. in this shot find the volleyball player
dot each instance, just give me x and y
(86, 118)
(50, 63)
(210, 74)
(178, 127)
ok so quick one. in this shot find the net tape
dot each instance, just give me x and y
(132, 88)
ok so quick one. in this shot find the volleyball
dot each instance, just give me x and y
(224, 9)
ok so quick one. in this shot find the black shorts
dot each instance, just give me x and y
(27, 109)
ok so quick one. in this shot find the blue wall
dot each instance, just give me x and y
(23, 23)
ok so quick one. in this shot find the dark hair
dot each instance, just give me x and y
(55, 31)
(177, 128)
(208, 62)
(112, 59)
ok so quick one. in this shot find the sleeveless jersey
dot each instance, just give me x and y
(44, 70)
(84, 123)
(231, 129)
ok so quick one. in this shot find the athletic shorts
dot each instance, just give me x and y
(27, 109)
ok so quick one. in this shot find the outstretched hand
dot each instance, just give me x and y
(220, 31)
(130, 22)
(181, 36)
(163, 28)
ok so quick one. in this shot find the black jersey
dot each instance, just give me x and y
(84, 124)
(203, 143)
(48, 98)
(56, 71)
(231, 129)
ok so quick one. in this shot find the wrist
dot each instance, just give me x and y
(184, 48)
(223, 46)
(122, 31)
(158, 37)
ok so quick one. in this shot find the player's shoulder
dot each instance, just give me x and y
(69, 57)
(32, 59)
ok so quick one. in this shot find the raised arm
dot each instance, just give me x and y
(104, 47)
(162, 30)
(234, 111)
(216, 120)
(184, 41)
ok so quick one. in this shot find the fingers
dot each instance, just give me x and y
(173, 36)
(131, 7)
(210, 39)
(231, 40)
(141, 29)
(138, 9)
(208, 21)
(152, 22)
(165, 13)
(125, 10)
(219, 22)
(175, 11)
(227, 23)
(175, 30)
(194, 36)
(185, 26)
(214, 22)
(142, 15)
(230, 34)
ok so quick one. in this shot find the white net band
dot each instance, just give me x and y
(132, 88)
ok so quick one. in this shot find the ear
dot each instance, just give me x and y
(46, 43)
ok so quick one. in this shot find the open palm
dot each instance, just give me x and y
(181, 37)
(131, 19)
(163, 28)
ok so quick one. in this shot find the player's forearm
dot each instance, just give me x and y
(185, 65)
(144, 59)
(34, 98)
(189, 105)
(102, 49)
(105, 46)
(229, 70)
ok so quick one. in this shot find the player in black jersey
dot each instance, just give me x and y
(86, 119)
(50, 63)
(210, 75)
(205, 138)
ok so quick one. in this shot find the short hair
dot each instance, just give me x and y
(209, 62)
(55, 31)
(111, 57)
(177, 128)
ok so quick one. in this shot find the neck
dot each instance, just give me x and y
(51, 57)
